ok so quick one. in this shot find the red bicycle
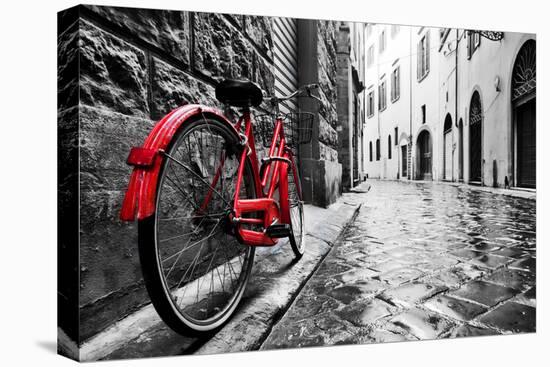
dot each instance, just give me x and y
(204, 201)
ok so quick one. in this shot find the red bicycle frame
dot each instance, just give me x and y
(274, 175)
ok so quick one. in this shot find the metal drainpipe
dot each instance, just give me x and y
(460, 153)
(410, 167)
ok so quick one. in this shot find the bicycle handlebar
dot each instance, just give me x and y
(304, 90)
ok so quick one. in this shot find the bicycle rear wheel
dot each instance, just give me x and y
(194, 267)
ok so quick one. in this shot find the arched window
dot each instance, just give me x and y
(524, 86)
(377, 149)
(389, 146)
(524, 76)
(448, 148)
(448, 125)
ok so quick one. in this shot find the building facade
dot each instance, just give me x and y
(351, 102)
(456, 105)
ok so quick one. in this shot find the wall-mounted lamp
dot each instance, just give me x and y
(497, 83)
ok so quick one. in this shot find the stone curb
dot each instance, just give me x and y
(254, 322)
(275, 282)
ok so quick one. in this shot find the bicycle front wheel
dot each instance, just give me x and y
(194, 267)
(296, 208)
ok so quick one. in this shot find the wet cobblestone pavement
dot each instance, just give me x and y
(421, 261)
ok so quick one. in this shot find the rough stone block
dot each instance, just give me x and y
(485, 293)
(468, 330)
(400, 275)
(167, 30)
(67, 67)
(528, 298)
(220, 50)
(366, 312)
(513, 252)
(466, 254)
(113, 73)
(173, 88)
(490, 261)
(327, 134)
(422, 324)
(527, 264)
(67, 224)
(321, 181)
(386, 336)
(513, 317)
(260, 30)
(105, 141)
(327, 153)
(408, 294)
(454, 308)
(520, 280)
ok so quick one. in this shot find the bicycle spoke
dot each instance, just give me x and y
(202, 262)
(208, 215)
(196, 175)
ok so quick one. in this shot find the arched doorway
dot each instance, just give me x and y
(476, 132)
(460, 150)
(524, 106)
(448, 148)
(424, 156)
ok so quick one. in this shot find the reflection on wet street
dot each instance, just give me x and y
(421, 261)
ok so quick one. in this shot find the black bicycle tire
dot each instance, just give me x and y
(151, 269)
(298, 253)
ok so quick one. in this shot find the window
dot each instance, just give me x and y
(395, 84)
(394, 30)
(370, 56)
(474, 40)
(370, 151)
(389, 146)
(370, 104)
(404, 161)
(423, 57)
(423, 112)
(396, 131)
(382, 42)
(382, 96)
(377, 149)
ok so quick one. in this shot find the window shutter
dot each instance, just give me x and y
(398, 82)
(418, 59)
(427, 51)
(285, 59)
(468, 45)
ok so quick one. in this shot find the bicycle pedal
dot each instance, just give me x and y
(278, 230)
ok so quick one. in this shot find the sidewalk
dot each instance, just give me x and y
(275, 282)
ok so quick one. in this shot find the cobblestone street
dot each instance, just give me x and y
(421, 261)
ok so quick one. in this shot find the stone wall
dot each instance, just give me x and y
(119, 71)
(321, 171)
(134, 66)
(327, 65)
(344, 66)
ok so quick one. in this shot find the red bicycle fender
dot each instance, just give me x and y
(283, 193)
(140, 197)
